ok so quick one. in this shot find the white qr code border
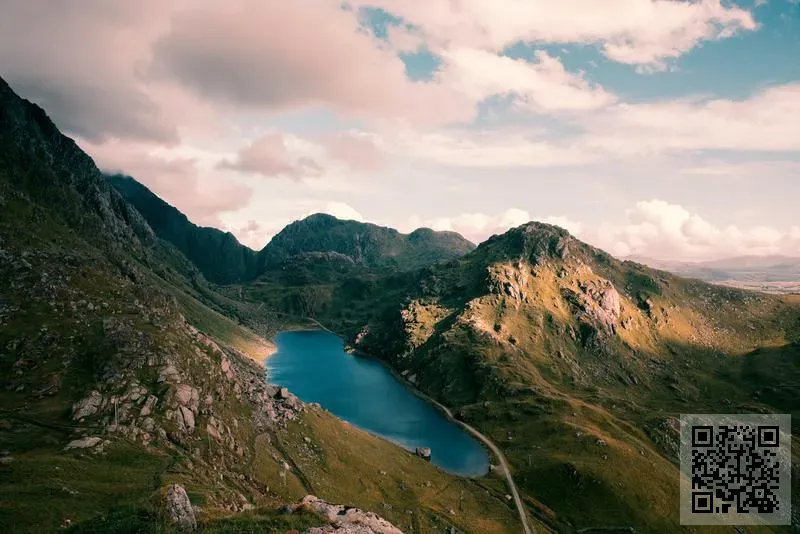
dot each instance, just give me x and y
(709, 507)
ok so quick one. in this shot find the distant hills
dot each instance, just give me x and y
(366, 244)
(773, 273)
(223, 260)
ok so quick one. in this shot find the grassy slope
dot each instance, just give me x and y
(343, 463)
(511, 354)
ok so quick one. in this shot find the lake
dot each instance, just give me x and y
(314, 366)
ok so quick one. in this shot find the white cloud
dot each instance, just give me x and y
(661, 230)
(179, 180)
(653, 228)
(543, 86)
(477, 226)
(270, 157)
(765, 121)
(490, 149)
(627, 31)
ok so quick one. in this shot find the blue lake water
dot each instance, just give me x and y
(315, 367)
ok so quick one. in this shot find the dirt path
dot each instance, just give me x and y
(497, 452)
(523, 517)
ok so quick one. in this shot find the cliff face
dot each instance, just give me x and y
(218, 255)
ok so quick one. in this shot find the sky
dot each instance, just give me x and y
(660, 128)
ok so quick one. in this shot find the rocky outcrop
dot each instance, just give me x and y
(423, 452)
(344, 519)
(180, 508)
(597, 303)
(88, 406)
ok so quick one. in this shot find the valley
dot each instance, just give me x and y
(133, 347)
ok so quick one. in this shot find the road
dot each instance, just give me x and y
(523, 517)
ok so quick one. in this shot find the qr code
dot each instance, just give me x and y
(735, 469)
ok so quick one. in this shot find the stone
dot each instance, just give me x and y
(169, 374)
(186, 395)
(423, 452)
(83, 443)
(602, 443)
(148, 424)
(283, 393)
(212, 429)
(149, 404)
(180, 508)
(346, 520)
(88, 406)
(188, 418)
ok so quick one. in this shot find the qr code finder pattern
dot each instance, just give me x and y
(739, 465)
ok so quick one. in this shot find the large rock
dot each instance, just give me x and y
(186, 395)
(424, 452)
(149, 404)
(88, 406)
(188, 418)
(346, 520)
(83, 443)
(180, 508)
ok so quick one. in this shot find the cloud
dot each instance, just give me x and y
(179, 181)
(764, 121)
(358, 150)
(543, 85)
(653, 228)
(662, 230)
(57, 54)
(474, 226)
(627, 31)
(497, 148)
(260, 54)
(269, 157)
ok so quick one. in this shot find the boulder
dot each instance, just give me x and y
(186, 395)
(188, 418)
(83, 443)
(345, 520)
(180, 508)
(169, 374)
(283, 393)
(149, 404)
(88, 406)
(423, 452)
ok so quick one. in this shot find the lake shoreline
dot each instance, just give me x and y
(401, 380)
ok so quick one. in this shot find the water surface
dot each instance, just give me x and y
(315, 367)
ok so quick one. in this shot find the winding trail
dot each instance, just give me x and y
(497, 452)
(523, 517)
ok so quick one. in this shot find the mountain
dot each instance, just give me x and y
(578, 365)
(132, 393)
(218, 255)
(306, 245)
(367, 245)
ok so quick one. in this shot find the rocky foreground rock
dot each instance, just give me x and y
(344, 519)
(180, 508)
